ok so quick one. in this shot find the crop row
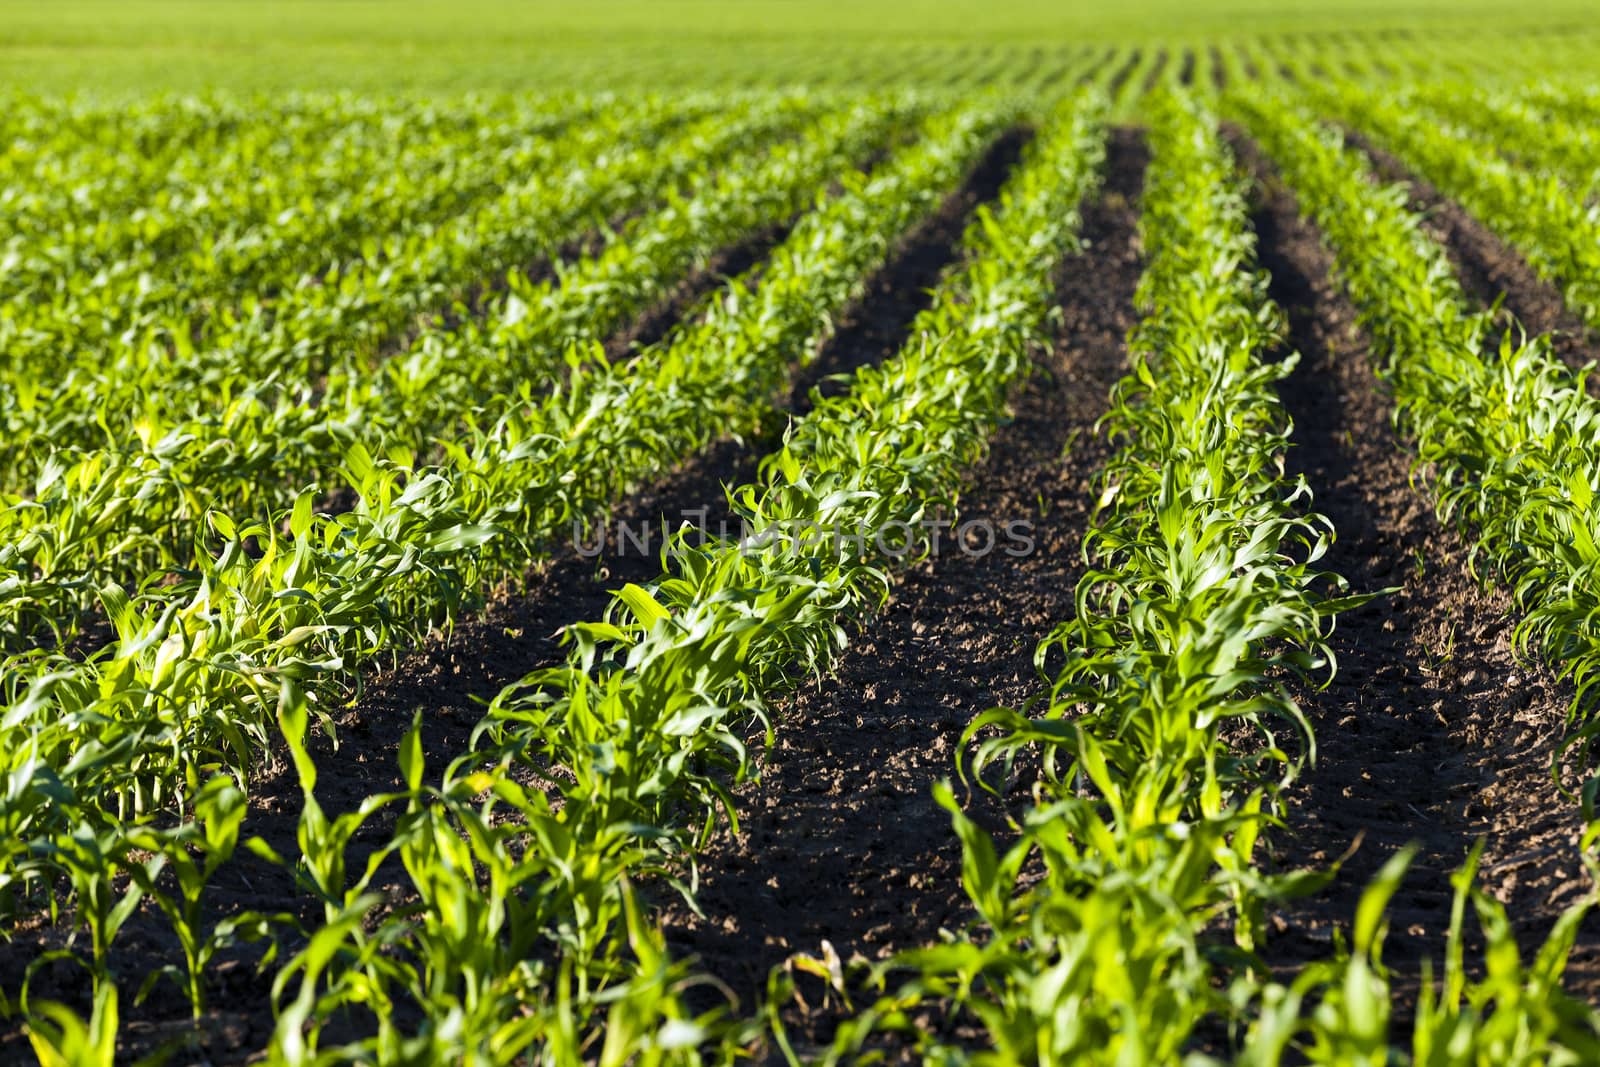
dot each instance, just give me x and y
(132, 516)
(1099, 937)
(160, 276)
(1533, 132)
(227, 217)
(142, 151)
(177, 364)
(1147, 802)
(1507, 434)
(636, 738)
(1535, 211)
(101, 752)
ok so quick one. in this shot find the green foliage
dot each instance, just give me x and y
(195, 672)
(1507, 433)
(280, 396)
(1498, 425)
(251, 642)
(435, 46)
(301, 376)
(1543, 211)
(526, 936)
(1201, 597)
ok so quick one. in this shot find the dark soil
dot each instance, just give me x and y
(1284, 70)
(841, 840)
(1124, 72)
(1186, 68)
(897, 295)
(1059, 66)
(1096, 70)
(1431, 732)
(675, 305)
(1251, 71)
(1153, 77)
(1488, 268)
(448, 680)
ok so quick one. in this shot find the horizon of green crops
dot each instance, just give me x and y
(99, 46)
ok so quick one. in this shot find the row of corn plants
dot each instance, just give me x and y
(85, 316)
(129, 516)
(526, 940)
(1577, 103)
(531, 333)
(41, 129)
(188, 280)
(1099, 934)
(237, 215)
(177, 361)
(111, 760)
(1495, 425)
(1507, 432)
(1533, 210)
(50, 138)
(69, 169)
(1156, 755)
(1539, 137)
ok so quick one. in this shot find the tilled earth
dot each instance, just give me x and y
(1431, 731)
(841, 840)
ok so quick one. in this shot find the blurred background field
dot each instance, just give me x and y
(101, 46)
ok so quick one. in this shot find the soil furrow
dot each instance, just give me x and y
(1122, 74)
(1280, 65)
(1097, 68)
(876, 327)
(653, 326)
(745, 257)
(840, 839)
(517, 633)
(1431, 731)
(1486, 265)
(1247, 64)
(1057, 66)
(1153, 77)
(1186, 68)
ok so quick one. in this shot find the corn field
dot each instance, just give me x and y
(1009, 550)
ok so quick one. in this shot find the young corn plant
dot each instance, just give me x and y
(61, 1038)
(1339, 1011)
(193, 851)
